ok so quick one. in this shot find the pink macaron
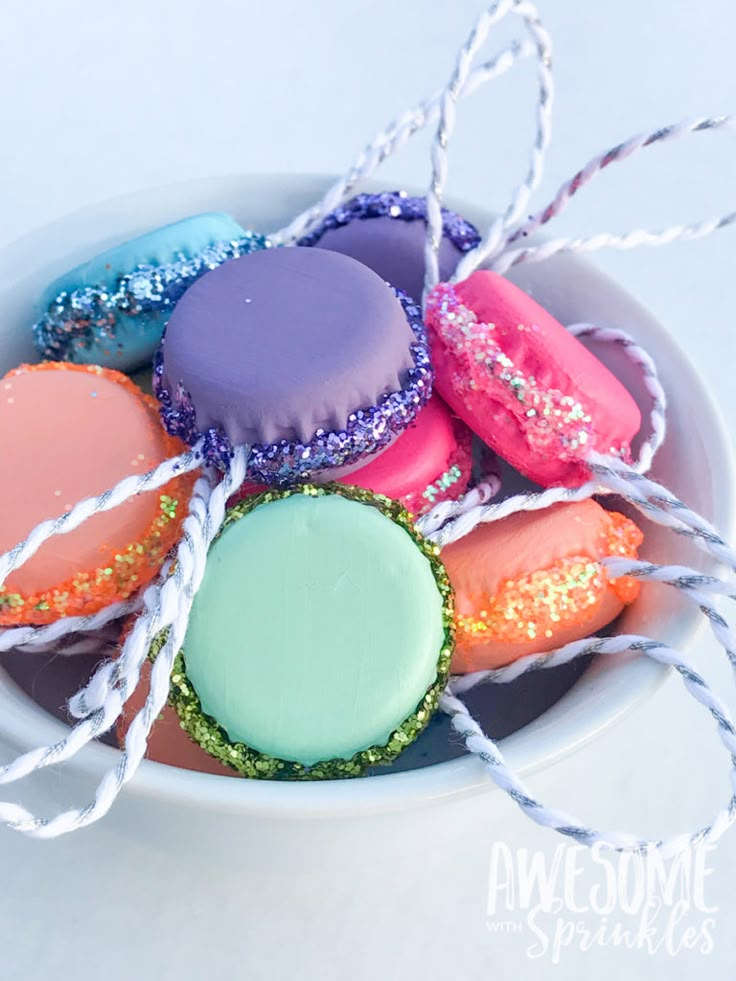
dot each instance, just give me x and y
(429, 463)
(523, 383)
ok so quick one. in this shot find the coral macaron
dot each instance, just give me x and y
(523, 383)
(73, 432)
(536, 580)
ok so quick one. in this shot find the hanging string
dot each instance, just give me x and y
(168, 607)
(641, 358)
(495, 13)
(38, 638)
(500, 256)
(395, 135)
(695, 587)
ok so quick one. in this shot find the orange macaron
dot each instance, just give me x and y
(535, 581)
(69, 432)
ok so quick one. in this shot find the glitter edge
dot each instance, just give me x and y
(401, 207)
(619, 536)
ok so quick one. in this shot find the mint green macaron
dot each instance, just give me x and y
(320, 639)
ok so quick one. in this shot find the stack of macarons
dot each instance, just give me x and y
(326, 626)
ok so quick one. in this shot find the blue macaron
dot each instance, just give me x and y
(112, 310)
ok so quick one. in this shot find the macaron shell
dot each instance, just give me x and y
(317, 628)
(78, 431)
(188, 237)
(541, 349)
(168, 743)
(393, 248)
(501, 571)
(283, 342)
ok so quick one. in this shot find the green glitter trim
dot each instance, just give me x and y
(249, 762)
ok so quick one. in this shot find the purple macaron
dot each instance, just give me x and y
(386, 232)
(306, 356)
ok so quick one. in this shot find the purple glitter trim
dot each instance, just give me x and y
(288, 462)
(400, 205)
(93, 313)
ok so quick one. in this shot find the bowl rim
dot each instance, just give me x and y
(548, 738)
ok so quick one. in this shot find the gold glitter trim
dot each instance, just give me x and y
(249, 762)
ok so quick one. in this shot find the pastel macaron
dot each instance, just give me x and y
(431, 462)
(320, 638)
(525, 385)
(535, 581)
(111, 310)
(387, 232)
(306, 356)
(69, 432)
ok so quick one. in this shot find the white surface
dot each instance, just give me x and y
(110, 99)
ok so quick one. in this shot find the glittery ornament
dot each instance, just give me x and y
(111, 572)
(77, 319)
(206, 732)
(503, 616)
(553, 422)
(367, 430)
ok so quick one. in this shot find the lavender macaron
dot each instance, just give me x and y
(304, 355)
(386, 232)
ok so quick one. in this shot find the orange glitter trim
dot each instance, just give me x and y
(622, 537)
(562, 596)
(124, 571)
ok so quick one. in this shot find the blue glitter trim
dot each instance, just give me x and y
(288, 462)
(403, 207)
(81, 318)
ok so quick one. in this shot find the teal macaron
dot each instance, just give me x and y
(112, 309)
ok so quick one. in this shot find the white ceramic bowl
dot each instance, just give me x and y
(241, 817)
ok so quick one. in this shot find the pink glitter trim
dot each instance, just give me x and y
(552, 422)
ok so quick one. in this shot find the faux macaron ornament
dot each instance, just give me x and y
(79, 429)
(318, 696)
(305, 356)
(585, 455)
(111, 310)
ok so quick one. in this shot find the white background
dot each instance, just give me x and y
(100, 99)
